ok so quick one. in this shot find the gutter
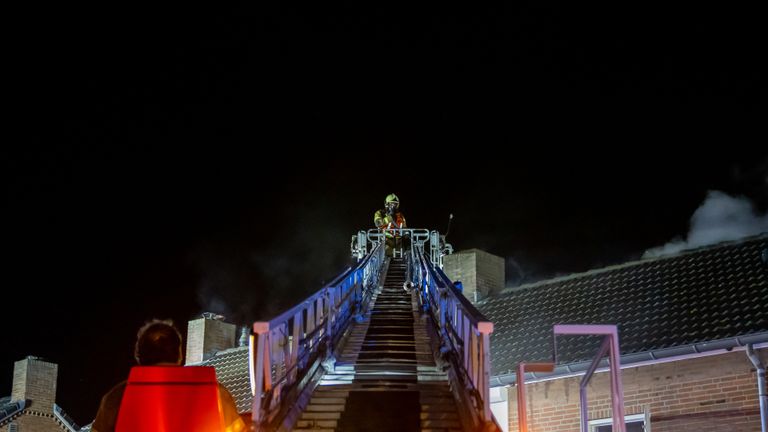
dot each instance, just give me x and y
(760, 384)
(663, 355)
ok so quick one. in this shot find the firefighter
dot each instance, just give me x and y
(390, 220)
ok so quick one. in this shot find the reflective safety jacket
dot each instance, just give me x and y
(389, 223)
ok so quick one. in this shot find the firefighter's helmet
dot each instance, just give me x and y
(392, 198)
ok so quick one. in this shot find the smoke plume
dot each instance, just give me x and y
(246, 279)
(719, 218)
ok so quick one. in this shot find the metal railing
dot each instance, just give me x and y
(465, 338)
(418, 237)
(289, 352)
(610, 346)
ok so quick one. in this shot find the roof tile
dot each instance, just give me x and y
(696, 296)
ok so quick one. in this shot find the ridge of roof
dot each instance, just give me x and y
(216, 355)
(597, 271)
(226, 351)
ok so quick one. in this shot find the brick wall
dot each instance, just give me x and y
(32, 421)
(206, 336)
(490, 273)
(35, 380)
(461, 267)
(715, 393)
(477, 270)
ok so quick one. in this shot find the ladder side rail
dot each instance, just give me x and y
(286, 351)
(465, 334)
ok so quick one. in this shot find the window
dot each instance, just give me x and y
(13, 427)
(635, 423)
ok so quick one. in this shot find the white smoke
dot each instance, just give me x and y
(719, 218)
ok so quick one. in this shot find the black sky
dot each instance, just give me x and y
(177, 159)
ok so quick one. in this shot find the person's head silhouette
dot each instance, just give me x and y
(158, 342)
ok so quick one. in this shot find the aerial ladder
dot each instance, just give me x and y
(389, 345)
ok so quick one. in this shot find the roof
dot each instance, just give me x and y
(11, 410)
(7, 408)
(696, 296)
(64, 420)
(232, 372)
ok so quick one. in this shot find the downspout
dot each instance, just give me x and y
(760, 385)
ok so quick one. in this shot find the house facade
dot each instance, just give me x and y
(31, 407)
(686, 324)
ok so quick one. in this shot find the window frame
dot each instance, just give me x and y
(593, 424)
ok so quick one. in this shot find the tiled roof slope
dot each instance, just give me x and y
(696, 296)
(232, 372)
(7, 407)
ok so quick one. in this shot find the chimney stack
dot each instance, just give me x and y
(208, 335)
(481, 273)
(35, 380)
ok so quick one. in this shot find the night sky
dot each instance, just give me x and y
(173, 160)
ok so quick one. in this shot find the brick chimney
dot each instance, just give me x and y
(35, 380)
(207, 335)
(481, 273)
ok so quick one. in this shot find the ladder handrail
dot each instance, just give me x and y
(302, 304)
(465, 334)
(287, 352)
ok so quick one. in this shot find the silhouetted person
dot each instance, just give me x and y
(158, 343)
